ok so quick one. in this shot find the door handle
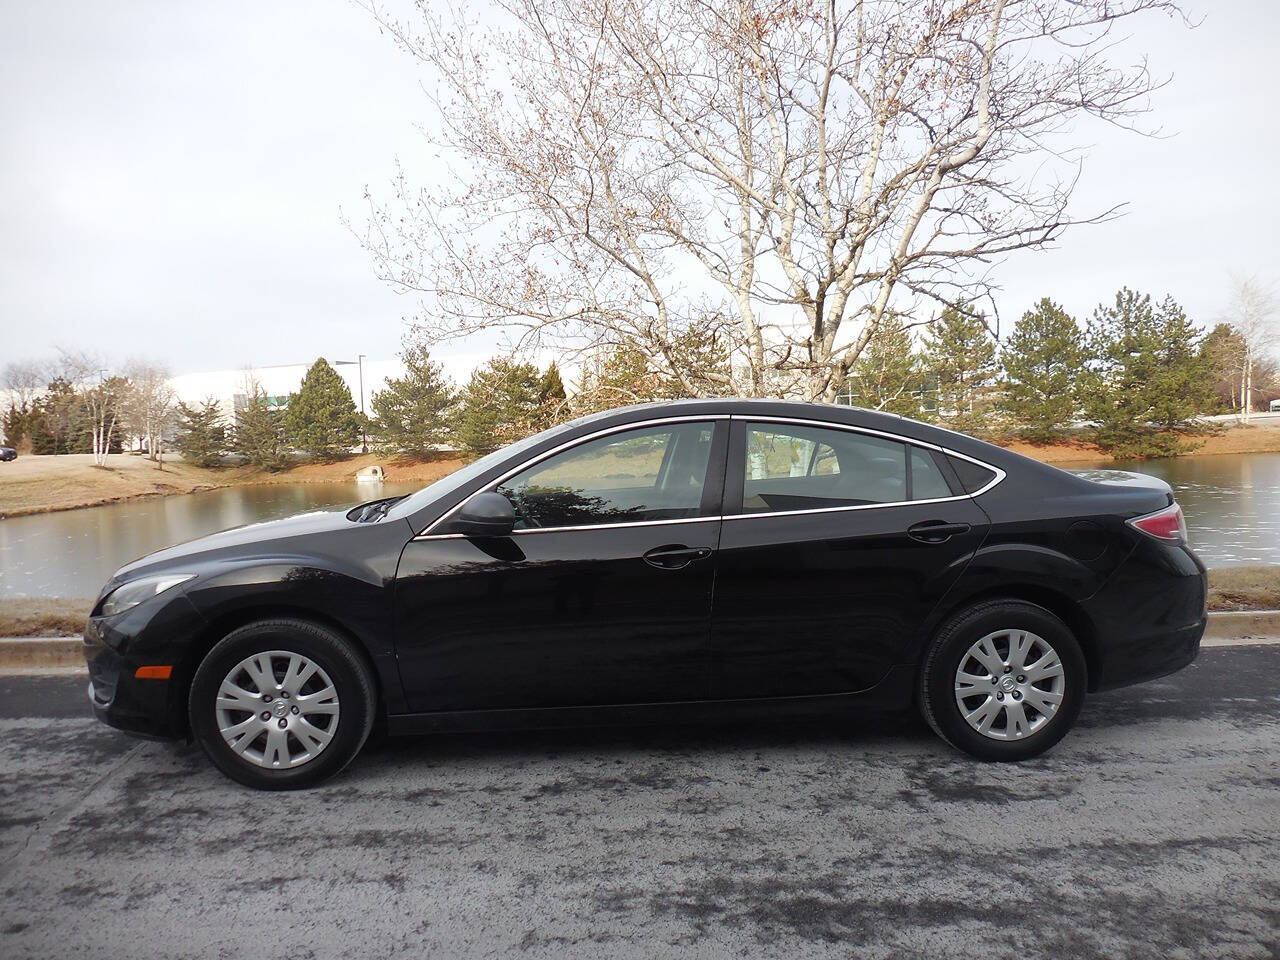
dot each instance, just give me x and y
(936, 531)
(675, 556)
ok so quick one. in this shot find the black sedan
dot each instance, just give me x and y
(662, 562)
(8, 453)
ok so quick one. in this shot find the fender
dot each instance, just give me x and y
(332, 590)
(1026, 571)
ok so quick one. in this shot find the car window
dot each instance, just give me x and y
(973, 476)
(650, 473)
(927, 481)
(793, 467)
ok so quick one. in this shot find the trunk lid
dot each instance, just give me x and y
(1126, 479)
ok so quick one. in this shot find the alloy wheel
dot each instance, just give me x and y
(1009, 684)
(277, 709)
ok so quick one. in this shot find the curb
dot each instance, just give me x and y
(49, 654)
(36, 653)
(1243, 625)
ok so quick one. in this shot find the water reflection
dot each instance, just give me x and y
(71, 553)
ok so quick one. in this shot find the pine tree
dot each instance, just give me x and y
(18, 421)
(321, 417)
(260, 435)
(616, 377)
(1042, 359)
(552, 398)
(960, 357)
(412, 415)
(887, 375)
(57, 421)
(1181, 383)
(202, 436)
(1147, 376)
(500, 404)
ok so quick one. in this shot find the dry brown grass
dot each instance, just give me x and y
(1255, 438)
(1230, 588)
(44, 484)
(1245, 588)
(43, 616)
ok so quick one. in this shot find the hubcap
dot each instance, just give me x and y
(1009, 684)
(277, 709)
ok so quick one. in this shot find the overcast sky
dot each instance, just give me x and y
(172, 174)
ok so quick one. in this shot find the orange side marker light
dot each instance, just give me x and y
(153, 673)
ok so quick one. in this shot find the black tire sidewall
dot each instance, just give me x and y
(333, 654)
(953, 642)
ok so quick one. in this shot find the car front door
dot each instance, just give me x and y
(827, 566)
(601, 595)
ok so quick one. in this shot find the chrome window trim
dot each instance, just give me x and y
(801, 421)
(853, 506)
(569, 444)
(611, 526)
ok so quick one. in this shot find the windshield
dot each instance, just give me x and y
(460, 478)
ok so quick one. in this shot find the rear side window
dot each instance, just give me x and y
(973, 476)
(793, 467)
(927, 481)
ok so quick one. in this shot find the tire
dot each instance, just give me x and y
(291, 740)
(949, 695)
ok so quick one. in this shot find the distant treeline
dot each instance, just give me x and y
(1134, 378)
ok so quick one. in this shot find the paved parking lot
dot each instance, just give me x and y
(1153, 831)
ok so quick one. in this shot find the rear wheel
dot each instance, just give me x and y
(281, 704)
(1003, 680)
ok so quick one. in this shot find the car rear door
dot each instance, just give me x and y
(836, 545)
(602, 595)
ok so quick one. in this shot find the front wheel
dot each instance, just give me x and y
(1003, 680)
(282, 704)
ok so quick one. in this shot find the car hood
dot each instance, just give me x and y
(270, 535)
(1125, 478)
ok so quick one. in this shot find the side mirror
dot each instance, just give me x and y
(486, 514)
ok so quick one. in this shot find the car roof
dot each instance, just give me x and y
(801, 410)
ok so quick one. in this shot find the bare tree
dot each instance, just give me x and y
(102, 396)
(629, 171)
(1253, 314)
(24, 381)
(149, 404)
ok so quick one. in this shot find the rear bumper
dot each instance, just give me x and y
(1149, 617)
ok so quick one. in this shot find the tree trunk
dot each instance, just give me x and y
(1247, 390)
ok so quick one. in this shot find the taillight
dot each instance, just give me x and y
(1166, 524)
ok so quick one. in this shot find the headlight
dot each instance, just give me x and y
(129, 595)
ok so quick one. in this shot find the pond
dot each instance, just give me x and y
(1232, 503)
(71, 553)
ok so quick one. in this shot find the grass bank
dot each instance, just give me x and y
(1261, 437)
(44, 484)
(1230, 588)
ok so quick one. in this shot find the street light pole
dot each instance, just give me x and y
(364, 438)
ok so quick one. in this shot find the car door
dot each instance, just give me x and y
(601, 595)
(836, 544)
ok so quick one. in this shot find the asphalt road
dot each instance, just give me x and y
(1152, 831)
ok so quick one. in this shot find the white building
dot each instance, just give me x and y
(231, 387)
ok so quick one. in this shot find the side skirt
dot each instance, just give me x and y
(895, 692)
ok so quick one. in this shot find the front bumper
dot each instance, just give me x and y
(121, 700)
(114, 649)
